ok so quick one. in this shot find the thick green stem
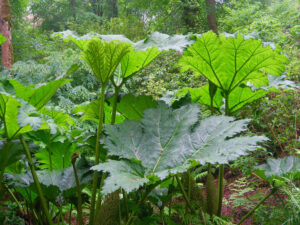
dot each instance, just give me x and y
(125, 204)
(171, 194)
(99, 200)
(141, 202)
(36, 182)
(184, 194)
(189, 186)
(16, 200)
(79, 199)
(97, 157)
(4, 163)
(70, 214)
(220, 189)
(257, 205)
(221, 168)
(114, 105)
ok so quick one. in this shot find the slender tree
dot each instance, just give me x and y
(111, 8)
(211, 15)
(6, 31)
(72, 4)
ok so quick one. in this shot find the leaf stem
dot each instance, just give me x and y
(125, 204)
(36, 181)
(114, 105)
(220, 189)
(257, 205)
(184, 194)
(78, 188)
(221, 168)
(97, 157)
(4, 163)
(147, 192)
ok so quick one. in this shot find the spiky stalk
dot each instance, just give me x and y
(36, 182)
(97, 157)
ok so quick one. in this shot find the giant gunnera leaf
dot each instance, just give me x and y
(167, 141)
(282, 167)
(232, 63)
(160, 40)
(56, 182)
(104, 57)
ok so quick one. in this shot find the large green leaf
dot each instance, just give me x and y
(91, 112)
(229, 62)
(61, 153)
(38, 95)
(14, 154)
(165, 42)
(62, 120)
(2, 39)
(104, 57)
(122, 172)
(168, 141)
(160, 40)
(132, 107)
(276, 168)
(9, 112)
(19, 117)
(135, 61)
(232, 63)
(81, 41)
(202, 95)
(54, 182)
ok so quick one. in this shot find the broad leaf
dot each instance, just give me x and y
(165, 42)
(213, 142)
(135, 61)
(276, 83)
(104, 57)
(281, 167)
(168, 141)
(122, 172)
(38, 95)
(81, 41)
(242, 96)
(61, 153)
(62, 120)
(202, 95)
(132, 108)
(91, 112)
(161, 41)
(54, 182)
(8, 112)
(14, 154)
(229, 62)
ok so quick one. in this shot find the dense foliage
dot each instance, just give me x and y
(133, 112)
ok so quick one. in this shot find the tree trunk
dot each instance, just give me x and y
(5, 29)
(72, 4)
(211, 15)
(112, 8)
(97, 6)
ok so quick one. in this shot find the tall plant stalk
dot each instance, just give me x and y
(113, 120)
(78, 188)
(221, 168)
(36, 182)
(97, 157)
(3, 164)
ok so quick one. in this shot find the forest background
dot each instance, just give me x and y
(35, 55)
